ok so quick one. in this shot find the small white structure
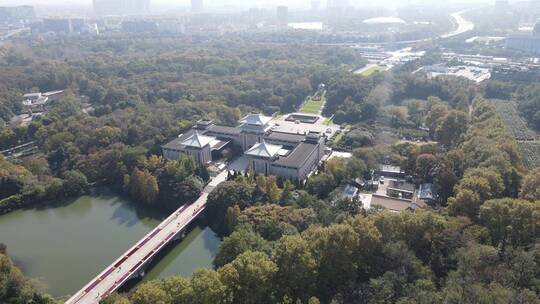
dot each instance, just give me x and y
(384, 20)
(40, 99)
(34, 99)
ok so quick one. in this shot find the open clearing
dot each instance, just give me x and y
(312, 106)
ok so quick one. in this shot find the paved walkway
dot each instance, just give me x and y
(130, 262)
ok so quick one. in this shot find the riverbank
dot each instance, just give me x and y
(81, 236)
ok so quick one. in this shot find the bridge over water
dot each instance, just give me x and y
(134, 261)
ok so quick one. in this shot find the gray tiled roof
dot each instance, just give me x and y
(197, 140)
(298, 156)
(176, 144)
(289, 137)
(223, 129)
(256, 119)
(263, 150)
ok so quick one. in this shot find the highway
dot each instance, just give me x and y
(463, 25)
(134, 259)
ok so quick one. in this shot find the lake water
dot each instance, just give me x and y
(66, 245)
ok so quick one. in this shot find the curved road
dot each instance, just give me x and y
(463, 25)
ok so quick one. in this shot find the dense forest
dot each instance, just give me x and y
(284, 242)
(289, 245)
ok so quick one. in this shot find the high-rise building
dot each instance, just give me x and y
(337, 3)
(315, 5)
(62, 26)
(502, 5)
(282, 14)
(121, 7)
(11, 13)
(197, 5)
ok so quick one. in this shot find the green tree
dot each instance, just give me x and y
(321, 185)
(287, 193)
(437, 112)
(451, 127)
(178, 289)
(150, 293)
(477, 186)
(107, 135)
(240, 241)
(208, 288)
(115, 299)
(225, 195)
(511, 221)
(75, 183)
(425, 166)
(14, 287)
(334, 248)
(256, 274)
(54, 189)
(297, 272)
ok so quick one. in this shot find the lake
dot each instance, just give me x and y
(65, 245)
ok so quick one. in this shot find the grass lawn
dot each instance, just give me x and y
(372, 70)
(327, 121)
(338, 137)
(312, 106)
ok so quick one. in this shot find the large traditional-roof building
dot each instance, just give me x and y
(287, 155)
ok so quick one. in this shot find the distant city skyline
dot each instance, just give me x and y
(119, 7)
(245, 3)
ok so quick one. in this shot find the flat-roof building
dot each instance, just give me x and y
(525, 42)
(395, 204)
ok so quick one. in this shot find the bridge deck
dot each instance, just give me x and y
(110, 279)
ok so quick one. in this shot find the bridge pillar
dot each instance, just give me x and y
(180, 235)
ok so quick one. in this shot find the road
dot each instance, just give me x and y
(463, 25)
(137, 256)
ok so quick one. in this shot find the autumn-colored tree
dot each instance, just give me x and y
(151, 190)
(143, 186)
(268, 186)
(136, 184)
(107, 135)
(531, 186)
(232, 217)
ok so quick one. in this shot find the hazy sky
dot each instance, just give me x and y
(292, 3)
